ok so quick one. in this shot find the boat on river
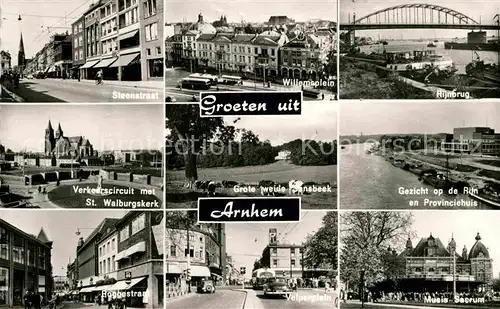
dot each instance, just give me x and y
(403, 61)
(489, 195)
(437, 180)
(481, 70)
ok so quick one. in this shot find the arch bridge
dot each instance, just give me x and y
(416, 16)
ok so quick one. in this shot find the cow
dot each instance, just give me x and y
(229, 183)
(295, 187)
(211, 188)
(266, 184)
(207, 186)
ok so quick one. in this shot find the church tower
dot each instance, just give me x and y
(50, 141)
(59, 131)
(21, 60)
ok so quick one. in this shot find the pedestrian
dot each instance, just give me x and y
(27, 303)
(41, 302)
(78, 75)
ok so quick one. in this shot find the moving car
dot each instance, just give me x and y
(277, 286)
(206, 286)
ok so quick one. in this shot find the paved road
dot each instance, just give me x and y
(357, 304)
(302, 299)
(56, 90)
(221, 299)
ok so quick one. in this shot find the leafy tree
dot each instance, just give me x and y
(257, 265)
(321, 248)
(192, 132)
(496, 285)
(365, 237)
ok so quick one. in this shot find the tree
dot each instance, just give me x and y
(496, 285)
(365, 237)
(192, 133)
(321, 248)
(256, 265)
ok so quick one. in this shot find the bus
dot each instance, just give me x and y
(212, 78)
(195, 83)
(260, 277)
(230, 80)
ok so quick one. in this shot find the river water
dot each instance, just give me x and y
(460, 57)
(370, 182)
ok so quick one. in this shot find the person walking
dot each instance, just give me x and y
(27, 300)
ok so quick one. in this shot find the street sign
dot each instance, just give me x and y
(243, 270)
(128, 277)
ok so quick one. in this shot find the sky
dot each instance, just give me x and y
(482, 11)
(416, 117)
(40, 20)
(318, 121)
(60, 226)
(464, 228)
(246, 241)
(249, 11)
(108, 127)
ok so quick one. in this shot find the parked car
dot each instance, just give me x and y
(29, 76)
(206, 286)
(277, 286)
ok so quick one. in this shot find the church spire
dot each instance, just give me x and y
(49, 127)
(21, 44)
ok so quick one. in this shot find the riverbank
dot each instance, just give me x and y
(360, 81)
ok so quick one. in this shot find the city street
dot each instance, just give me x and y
(70, 90)
(221, 299)
(172, 90)
(250, 299)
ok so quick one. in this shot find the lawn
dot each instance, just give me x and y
(180, 197)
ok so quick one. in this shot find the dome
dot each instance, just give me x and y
(478, 249)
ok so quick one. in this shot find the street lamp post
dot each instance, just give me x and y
(188, 271)
(362, 285)
(291, 264)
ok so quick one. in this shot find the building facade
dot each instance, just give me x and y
(61, 285)
(57, 145)
(78, 47)
(140, 257)
(25, 265)
(152, 47)
(474, 140)
(430, 266)
(6, 61)
(201, 248)
(87, 263)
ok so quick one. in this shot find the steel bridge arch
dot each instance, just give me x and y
(438, 8)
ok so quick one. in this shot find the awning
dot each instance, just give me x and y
(199, 271)
(46, 70)
(75, 292)
(105, 63)
(103, 287)
(89, 64)
(52, 69)
(87, 289)
(125, 60)
(122, 285)
(128, 35)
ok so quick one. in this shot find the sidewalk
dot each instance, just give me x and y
(408, 306)
(148, 84)
(8, 96)
(251, 300)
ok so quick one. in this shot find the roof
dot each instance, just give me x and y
(479, 249)
(27, 235)
(42, 236)
(102, 227)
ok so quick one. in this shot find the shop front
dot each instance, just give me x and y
(142, 284)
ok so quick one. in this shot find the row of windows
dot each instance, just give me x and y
(198, 254)
(108, 247)
(150, 9)
(108, 265)
(138, 224)
(293, 251)
(292, 262)
(22, 253)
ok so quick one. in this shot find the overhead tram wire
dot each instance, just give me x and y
(66, 16)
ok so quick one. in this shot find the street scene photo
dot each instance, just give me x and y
(430, 259)
(81, 156)
(242, 157)
(244, 45)
(80, 259)
(419, 49)
(251, 265)
(82, 51)
(424, 155)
